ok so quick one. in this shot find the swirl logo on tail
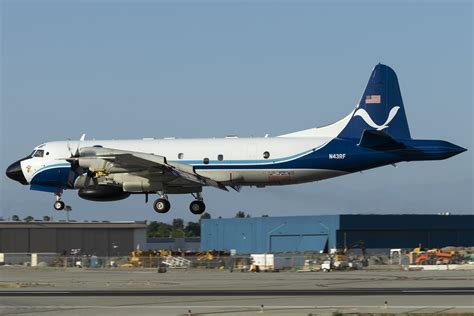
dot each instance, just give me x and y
(366, 117)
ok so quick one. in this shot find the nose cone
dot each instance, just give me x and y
(14, 172)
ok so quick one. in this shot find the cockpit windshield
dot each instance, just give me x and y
(38, 153)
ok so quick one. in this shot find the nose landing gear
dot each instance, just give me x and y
(59, 205)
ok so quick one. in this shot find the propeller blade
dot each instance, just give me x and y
(69, 146)
(74, 162)
(76, 152)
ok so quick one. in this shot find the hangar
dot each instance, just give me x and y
(92, 238)
(325, 232)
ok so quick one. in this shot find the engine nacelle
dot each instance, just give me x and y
(103, 193)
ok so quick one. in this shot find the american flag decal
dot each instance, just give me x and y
(372, 99)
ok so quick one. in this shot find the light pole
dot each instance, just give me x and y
(67, 209)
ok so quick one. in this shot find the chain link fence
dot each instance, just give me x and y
(237, 263)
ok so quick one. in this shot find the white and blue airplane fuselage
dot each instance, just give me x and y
(374, 134)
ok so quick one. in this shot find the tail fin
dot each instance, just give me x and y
(381, 107)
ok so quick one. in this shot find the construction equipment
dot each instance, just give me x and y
(434, 256)
(340, 255)
(210, 255)
(358, 244)
(415, 253)
(205, 255)
(338, 260)
(139, 258)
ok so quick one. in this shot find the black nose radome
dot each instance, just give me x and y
(14, 172)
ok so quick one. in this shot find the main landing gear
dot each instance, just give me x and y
(162, 205)
(197, 206)
(59, 205)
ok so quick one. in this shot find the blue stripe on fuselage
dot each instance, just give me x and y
(49, 176)
(250, 161)
(354, 159)
(56, 165)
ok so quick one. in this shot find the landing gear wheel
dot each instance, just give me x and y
(197, 207)
(59, 205)
(161, 206)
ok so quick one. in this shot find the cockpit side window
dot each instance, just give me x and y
(39, 153)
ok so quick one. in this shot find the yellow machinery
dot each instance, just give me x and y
(139, 258)
(150, 258)
(205, 255)
(414, 254)
(340, 255)
(211, 255)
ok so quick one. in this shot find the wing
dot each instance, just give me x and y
(103, 161)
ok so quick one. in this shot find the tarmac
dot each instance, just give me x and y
(74, 291)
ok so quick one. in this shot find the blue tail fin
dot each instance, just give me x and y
(381, 107)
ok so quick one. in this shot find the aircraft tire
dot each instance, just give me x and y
(197, 207)
(161, 206)
(59, 205)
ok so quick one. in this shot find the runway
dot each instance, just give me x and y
(115, 292)
(248, 305)
(236, 293)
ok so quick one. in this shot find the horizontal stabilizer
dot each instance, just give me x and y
(379, 140)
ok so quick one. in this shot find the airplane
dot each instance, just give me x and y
(374, 134)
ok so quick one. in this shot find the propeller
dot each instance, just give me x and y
(74, 154)
(76, 170)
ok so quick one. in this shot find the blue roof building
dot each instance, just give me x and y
(320, 233)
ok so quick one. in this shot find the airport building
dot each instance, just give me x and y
(92, 238)
(244, 235)
(173, 243)
(322, 233)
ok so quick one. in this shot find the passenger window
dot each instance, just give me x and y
(39, 153)
(220, 157)
(206, 161)
(266, 155)
(180, 156)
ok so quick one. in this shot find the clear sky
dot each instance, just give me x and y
(133, 69)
